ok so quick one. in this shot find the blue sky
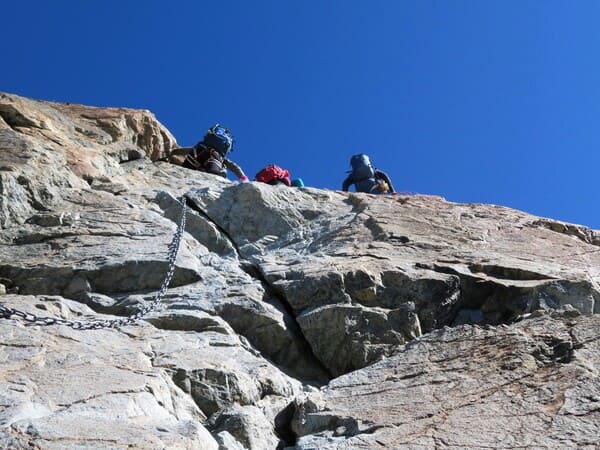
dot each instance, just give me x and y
(477, 101)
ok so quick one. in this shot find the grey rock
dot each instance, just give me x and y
(63, 388)
(530, 384)
(249, 427)
(223, 373)
(228, 442)
(350, 337)
(385, 252)
(275, 291)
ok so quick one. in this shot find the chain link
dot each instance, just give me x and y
(155, 304)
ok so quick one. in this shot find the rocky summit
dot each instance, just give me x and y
(295, 318)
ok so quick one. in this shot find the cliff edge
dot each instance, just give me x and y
(296, 317)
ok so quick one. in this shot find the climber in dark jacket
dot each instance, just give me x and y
(210, 154)
(366, 178)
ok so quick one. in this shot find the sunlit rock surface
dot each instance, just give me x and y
(299, 318)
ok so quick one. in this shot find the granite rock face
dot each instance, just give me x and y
(299, 318)
(531, 385)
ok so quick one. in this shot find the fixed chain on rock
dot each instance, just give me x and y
(6, 312)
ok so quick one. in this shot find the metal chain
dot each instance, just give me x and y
(6, 312)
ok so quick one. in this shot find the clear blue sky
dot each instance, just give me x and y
(477, 101)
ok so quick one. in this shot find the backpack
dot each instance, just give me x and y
(361, 168)
(219, 138)
(271, 174)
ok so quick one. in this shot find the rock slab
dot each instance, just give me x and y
(296, 317)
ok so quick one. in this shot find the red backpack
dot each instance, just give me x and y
(271, 174)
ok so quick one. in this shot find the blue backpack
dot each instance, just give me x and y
(219, 138)
(361, 168)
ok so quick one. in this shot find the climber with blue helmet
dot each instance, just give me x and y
(367, 178)
(210, 154)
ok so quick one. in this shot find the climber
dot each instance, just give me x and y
(366, 178)
(210, 154)
(275, 175)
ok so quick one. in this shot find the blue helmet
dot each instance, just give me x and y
(219, 138)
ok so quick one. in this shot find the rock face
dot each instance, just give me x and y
(299, 318)
(534, 384)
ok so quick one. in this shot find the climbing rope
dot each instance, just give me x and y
(6, 312)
